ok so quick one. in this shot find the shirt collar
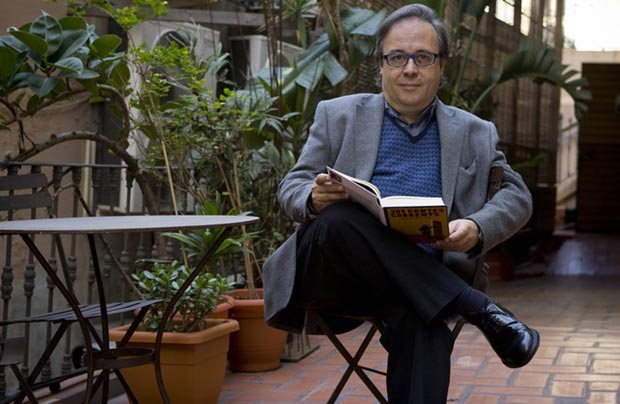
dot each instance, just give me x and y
(420, 125)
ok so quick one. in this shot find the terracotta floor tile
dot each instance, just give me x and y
(603, 398)
(525, 379)
(578, 362)
(568, 389)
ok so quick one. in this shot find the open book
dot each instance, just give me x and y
(422, 219)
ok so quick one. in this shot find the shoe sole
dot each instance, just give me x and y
(530, 354)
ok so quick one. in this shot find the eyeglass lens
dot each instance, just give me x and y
(399, 59)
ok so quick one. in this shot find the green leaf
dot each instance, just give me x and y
(8, 63)
(33, 102)
(72, 23)
(41, 85)
(333, 70)
(105, 45)
(71, 42)
(48, 28)
(12, 42)
(33, 42)
(90, 85)
(119, 74)
(310, 76)
(86, 74)
(369, 26)
(20, 80)
(495, 74)
(70, 65)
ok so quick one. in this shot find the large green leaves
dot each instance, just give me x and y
(44, 54)
(536, 61)
(49, 29)
(533, 60)
(318, 60)
(35, 43)
(105, 45)
(11, 62)
(71, 41)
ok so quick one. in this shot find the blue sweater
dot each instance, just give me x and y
(408, 165)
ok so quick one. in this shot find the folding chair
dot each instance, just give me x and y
(353, 360)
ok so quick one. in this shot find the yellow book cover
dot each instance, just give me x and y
(422, 219)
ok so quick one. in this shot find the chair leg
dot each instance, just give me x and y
(352, 361)
(23, 384)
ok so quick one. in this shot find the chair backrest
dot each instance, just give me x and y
(26, 191)
(496, 174)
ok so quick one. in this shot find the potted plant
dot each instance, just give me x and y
(255, 347)
(193, 345)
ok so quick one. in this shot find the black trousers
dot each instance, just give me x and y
(349, 262)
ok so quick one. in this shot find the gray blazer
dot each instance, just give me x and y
(345, 135)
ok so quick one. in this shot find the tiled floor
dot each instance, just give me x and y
(575, 306)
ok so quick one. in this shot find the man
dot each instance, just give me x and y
(341, 258)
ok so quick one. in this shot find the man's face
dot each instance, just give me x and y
(410, 89)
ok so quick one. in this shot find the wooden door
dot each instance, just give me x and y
(598, 183)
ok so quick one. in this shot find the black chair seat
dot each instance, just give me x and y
(87, 310)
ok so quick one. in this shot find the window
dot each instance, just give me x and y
(505, 11)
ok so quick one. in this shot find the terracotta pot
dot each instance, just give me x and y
(256, 347)
(223, 309)
(193, 364)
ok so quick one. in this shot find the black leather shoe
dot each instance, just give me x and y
(514, 342)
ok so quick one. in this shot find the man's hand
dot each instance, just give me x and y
(463, 236)
(325, 192)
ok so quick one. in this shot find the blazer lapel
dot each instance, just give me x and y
(451, 144)
(368, 124)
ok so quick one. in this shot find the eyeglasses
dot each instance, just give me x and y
(420, 59)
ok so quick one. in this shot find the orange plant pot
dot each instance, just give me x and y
(256, 347)
(223, 309)
(193, 364)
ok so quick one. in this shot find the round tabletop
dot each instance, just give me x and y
(118, 224)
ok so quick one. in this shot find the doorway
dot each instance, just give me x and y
(598, 183)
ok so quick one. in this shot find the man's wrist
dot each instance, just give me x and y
(477, 249)
(310, 206)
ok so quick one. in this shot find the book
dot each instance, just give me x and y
(421, 219)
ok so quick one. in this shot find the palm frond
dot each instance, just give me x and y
(540, 63)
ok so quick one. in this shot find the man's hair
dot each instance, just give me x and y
(412, 11)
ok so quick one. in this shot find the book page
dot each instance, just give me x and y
(360, 191)
(402, 201)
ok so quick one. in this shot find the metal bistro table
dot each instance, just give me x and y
(114, 358)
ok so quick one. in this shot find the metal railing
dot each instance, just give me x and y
(80, 190)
